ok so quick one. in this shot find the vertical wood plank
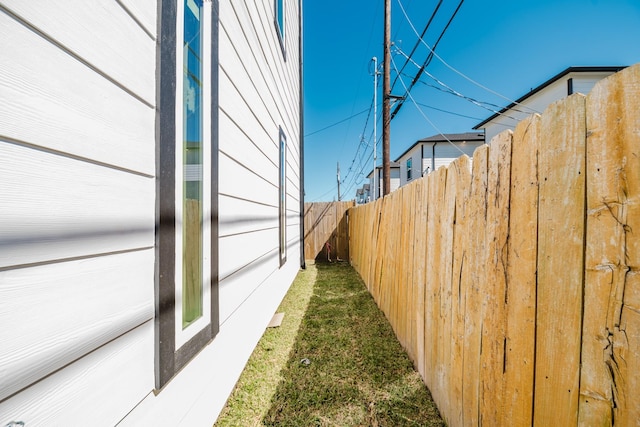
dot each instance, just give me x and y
(611, 324)
(446, 235)
(438, 388)
(423, 341)
(461, 169)
(560, 262)
(419, 273)
(474, 280)
(497, 232)
(521, 276)
(430, 330)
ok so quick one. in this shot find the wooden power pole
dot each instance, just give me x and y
(386, 106)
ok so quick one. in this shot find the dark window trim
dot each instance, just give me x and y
(168, 359)
(282, 196)
(280, 31)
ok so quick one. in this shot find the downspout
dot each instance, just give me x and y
(433, 157)
(303, 264)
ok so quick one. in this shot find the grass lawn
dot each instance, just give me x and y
(334, 361)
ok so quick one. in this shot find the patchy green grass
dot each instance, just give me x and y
(357, 373)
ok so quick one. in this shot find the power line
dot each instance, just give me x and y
(448, 112)
(337, 123)
(448, 89)
(426, 62)
(423, 114)
(415, 46)
(454, 69)
(324, 194)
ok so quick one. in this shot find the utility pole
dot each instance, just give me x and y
(386, 107)
(339, 198)
(375, 124)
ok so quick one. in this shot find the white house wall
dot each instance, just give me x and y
(447, 153)
(77, 222)
(258, 96)
(77, 150)
(538, 102)
(416, 156)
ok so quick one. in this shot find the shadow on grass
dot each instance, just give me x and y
(346, 366)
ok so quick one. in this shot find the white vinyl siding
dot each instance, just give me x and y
(78, 218)
(582, 82)
(258, 94)
(91, 388)
(447, 153)
(77, 165)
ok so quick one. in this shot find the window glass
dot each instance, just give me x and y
(280, 24)
(192, 147)
(409, 167)
(280, 16)
(283, 198)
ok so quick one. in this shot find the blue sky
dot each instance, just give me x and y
(508, 46)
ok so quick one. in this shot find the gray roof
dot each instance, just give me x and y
(445, 137)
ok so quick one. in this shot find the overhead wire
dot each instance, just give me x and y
(337, 123)
(448, 112)
(415, 46)
(360, 144)
(446, 64)
(426, 62)
(448, 89)
(422, 113)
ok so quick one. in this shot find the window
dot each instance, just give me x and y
(409, 165)
(187, 232)
(280, 22)
(283, 198)
(192, 163)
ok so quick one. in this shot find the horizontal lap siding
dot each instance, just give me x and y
(113, 303)
(91, 391)
(59, 104)
(77, 165)
(118, 49)
(57, 208)
(144, 12)
(258, 97)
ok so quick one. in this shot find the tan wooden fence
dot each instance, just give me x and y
(513, 282)
(326, 222)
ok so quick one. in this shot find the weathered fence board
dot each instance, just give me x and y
(561, 211)
(609, 381)
(496, 234)
(521, 276)
(515, 288)
(473, 278)
(326, 223)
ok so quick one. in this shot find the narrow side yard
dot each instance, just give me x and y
(334, 361)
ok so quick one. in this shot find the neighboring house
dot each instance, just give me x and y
(394, 169)
(570, 81)
(428, 154)
(363, 194)
(150, 223)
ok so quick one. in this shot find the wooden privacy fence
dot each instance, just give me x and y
(514, 285)
(326, 222)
